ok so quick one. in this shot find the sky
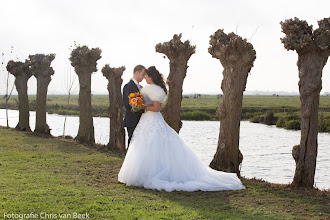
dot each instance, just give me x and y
(127, 31)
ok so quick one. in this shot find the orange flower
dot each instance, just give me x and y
(136, 101)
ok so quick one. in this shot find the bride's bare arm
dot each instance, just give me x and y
(154, 107)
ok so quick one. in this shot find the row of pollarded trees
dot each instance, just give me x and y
(237, 57)
(84, 61)
(39, 66)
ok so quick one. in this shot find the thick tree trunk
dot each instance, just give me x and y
(86, 127)
(171, 111)
(41, 102)
(40, 67)
(84, 60)
(313, 48)
(23, 103)
(178, 53)
(310, 72)
(117, 133)
(228, 156)
(237, 57)
(22, 73)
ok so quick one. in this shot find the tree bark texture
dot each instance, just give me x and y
(22, 73)
(84, 61)
(41, 69)
(116, 115)
(178, 53)
(237, 57)
(313, 48)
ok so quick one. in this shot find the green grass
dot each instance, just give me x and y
(55, 176)
(195, 116)
(289, 120)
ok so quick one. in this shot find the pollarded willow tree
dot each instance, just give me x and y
(22, 73)
(117, 133)
(313, 48)
(178, 53)
(41, 69)
(84, 61)
(237, 57)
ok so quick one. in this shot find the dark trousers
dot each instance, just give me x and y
(130, 131)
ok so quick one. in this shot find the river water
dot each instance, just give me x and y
(266, 149)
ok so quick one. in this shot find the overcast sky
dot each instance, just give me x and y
(127, 31)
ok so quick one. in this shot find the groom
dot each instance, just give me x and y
(131, 119)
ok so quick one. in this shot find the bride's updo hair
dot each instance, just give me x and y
(156, 77)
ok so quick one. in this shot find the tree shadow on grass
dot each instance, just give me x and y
(260, 200)
(69, 145)
(210, 205)
(297, 199)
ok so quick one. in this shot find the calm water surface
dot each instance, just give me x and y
(266, 149)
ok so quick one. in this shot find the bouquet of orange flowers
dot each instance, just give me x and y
(136, 101)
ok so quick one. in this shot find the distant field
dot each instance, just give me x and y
(257, 102)
(204, 102)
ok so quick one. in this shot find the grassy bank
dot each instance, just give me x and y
(58, 176)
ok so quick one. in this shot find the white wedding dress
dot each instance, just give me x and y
(158, 158)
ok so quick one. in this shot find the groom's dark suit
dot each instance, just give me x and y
(131, 119)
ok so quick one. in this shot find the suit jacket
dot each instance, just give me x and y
(131, 119)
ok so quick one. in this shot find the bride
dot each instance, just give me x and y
(159, 159)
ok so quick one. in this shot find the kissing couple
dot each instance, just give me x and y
(157, 158)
